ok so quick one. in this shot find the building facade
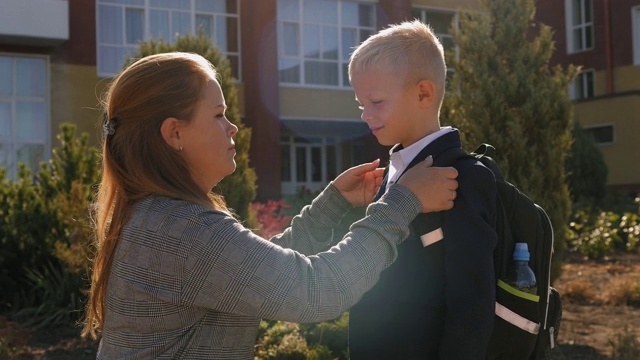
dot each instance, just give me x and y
(603, 37)
(289, 58)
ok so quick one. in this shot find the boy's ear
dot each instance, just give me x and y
(426, 93)
(170, 130)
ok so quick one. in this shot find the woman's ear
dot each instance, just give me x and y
(170, 130)
(426, 93)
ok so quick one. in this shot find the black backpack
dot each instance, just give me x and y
(524, 328)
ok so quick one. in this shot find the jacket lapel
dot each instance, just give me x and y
(383, 186)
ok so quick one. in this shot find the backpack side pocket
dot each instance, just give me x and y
(548, 338)
(517, 324)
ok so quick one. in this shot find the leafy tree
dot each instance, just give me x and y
(586, 170)
(504, 92)
(239, 189)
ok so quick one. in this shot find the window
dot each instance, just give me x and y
(24, 112)
(579, 19)
(601, 134)
(307, 162)
(635, 18)
(316, 38)
(440, 21)
(314, 152)
(582, 87)
(122, 24)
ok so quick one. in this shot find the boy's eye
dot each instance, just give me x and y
(373, 102)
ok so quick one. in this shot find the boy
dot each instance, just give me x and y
(437, 300)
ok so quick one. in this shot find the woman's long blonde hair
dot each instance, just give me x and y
(136, 161)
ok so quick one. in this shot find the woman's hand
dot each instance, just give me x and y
(435, 186)
(359, 184)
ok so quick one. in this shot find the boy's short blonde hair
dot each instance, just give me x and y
(410, 45)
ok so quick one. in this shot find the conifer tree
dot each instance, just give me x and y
(586, 169)
(504, 92)
(239, 189)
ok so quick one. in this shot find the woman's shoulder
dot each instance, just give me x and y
(162, 208)
(164, 223)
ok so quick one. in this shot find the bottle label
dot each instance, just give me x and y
(519, 293)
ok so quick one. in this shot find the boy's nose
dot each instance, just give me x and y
(365, 115)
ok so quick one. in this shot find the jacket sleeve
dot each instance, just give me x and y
(312, 230)
(230, 269)
(470, 240)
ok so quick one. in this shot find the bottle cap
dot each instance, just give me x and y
(521, 252)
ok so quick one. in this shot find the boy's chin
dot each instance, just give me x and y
(386, 142)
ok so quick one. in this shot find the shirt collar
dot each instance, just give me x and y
(410, 152)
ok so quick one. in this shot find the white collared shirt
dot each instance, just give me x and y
(399, 160)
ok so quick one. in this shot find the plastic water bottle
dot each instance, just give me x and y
(521, 276)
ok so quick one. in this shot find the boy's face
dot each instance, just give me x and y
(389, 105)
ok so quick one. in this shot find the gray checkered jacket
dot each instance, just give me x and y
(191, 283)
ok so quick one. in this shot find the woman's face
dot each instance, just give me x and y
(207, 145)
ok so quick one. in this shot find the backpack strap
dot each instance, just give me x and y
(449, 156)
(485, 150)
(427, 222)
(484, 153)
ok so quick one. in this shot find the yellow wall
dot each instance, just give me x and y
(600, 83)
(318, 104)
(75, 98)
(241, 100)
(446, 4)
(75, 93)
(623, 156)
(627, 78)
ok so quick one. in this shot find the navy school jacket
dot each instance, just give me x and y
(437, 300)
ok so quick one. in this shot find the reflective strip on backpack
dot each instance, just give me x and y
(517, 320)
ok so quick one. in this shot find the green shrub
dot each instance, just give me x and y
(593, 234)
(45, 230)
(597, 233)
(586, 169)
(53, 297)
(320, 352)
(29, 226)
(334, 335)
(281, 340)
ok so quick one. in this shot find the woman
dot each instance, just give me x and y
(175, 275)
